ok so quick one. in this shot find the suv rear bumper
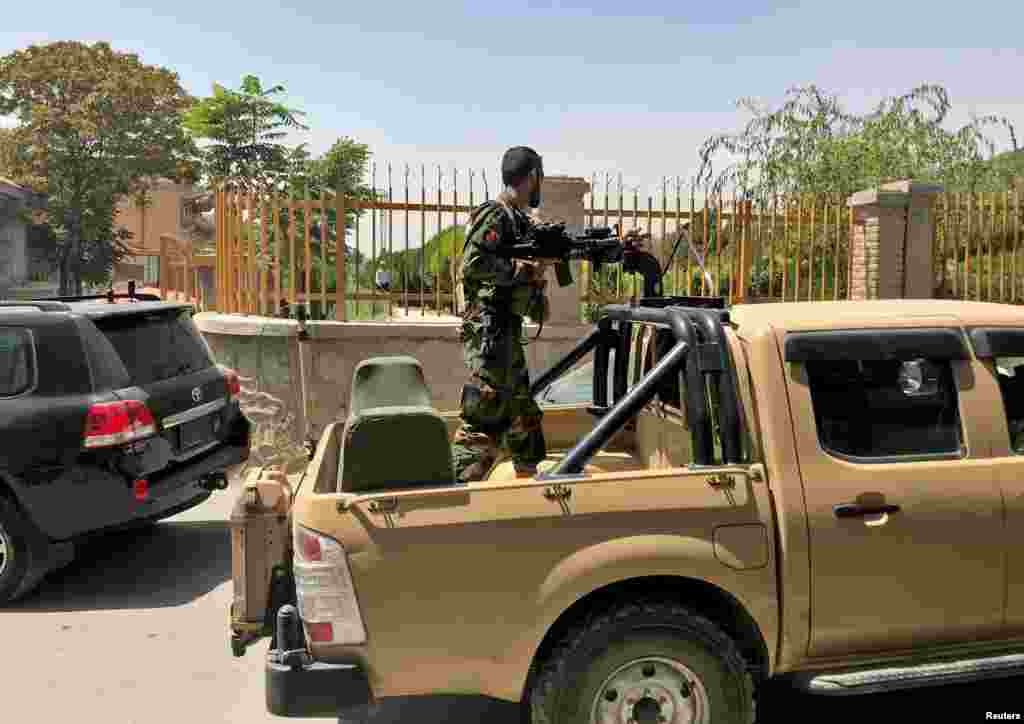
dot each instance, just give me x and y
(315, 689)
(87, 500)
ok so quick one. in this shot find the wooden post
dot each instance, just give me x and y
(339, 258)
(165, 267)
(188, 272)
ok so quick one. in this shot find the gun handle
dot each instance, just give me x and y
(563, 272)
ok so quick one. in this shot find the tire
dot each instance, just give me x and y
(639, 661)
(21, 553)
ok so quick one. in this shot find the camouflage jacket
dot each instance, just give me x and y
(491, 280)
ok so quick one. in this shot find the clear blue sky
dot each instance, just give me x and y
(592, 88)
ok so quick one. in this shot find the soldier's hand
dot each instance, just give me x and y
(641, 240)
(533, 271)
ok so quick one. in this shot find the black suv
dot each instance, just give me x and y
(113, 413)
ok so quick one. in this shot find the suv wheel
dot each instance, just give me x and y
(17, 563)
(644, 662)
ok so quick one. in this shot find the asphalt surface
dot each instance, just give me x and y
(136, 632)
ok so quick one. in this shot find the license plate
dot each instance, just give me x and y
(194, 433)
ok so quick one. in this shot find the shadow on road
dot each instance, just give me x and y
(778, 703)
(437, 709)
(170, 564)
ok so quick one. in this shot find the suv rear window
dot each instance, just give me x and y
(17, 365)
(157, 346)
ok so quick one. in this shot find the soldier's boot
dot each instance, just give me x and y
(526, 440)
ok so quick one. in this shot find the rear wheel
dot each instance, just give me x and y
(644, 663)
(19, 560)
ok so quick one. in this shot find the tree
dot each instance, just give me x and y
(340, 170)
(244, 130)
(93, 125)
(429, 266)
(811, 143)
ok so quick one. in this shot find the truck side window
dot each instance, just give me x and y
(17, 371)
(1010, 374)
(882, 409)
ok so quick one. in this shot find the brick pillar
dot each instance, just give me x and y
(562, 201)
(891, 244)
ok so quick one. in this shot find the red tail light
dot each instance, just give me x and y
(117, 423)
(323, 631)
(309, 546)
(234, 384)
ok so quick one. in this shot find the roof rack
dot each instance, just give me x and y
(108, 297)
(41, 305)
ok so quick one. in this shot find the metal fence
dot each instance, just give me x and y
(978, 247)
(402, 248)
(402, 251)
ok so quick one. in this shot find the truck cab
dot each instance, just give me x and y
(820, 491)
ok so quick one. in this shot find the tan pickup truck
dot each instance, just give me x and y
(827, 492)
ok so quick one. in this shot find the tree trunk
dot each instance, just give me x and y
(75, 249)
(65, 276)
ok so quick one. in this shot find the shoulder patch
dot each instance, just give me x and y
(491, 235)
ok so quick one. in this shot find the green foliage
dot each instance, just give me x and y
(343, 169)
(244, 130)
(422, 267)
(811, 143)
(93, 125)
(1009, 168)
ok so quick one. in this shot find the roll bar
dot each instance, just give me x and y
(700, 347)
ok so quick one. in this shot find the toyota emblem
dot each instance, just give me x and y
(197, 394)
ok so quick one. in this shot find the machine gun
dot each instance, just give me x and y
(598, 245)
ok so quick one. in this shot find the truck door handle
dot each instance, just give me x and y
(857, 510)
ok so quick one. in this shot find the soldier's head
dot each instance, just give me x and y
(522, 171)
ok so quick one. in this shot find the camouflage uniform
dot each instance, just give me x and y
(497, 408)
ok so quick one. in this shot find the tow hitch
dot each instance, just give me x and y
(214, 481)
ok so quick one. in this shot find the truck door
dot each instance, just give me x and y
(904, 514)
(1001, 375)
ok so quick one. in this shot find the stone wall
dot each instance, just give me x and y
(891, 245)
(266, 353)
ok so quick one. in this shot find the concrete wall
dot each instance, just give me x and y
(265, 352)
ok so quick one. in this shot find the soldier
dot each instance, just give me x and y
(497, 408)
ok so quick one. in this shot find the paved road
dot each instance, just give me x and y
(135, 632)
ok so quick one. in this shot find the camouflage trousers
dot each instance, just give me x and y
(497, 409)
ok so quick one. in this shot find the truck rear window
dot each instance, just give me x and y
(17, 366)
(885, 408)
(157, 346)
(1010, 371)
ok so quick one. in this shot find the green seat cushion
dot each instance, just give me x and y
(388, 382)
(395, 447)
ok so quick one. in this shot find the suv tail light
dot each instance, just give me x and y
(234, 383)
(117, 423)
(324, 589)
